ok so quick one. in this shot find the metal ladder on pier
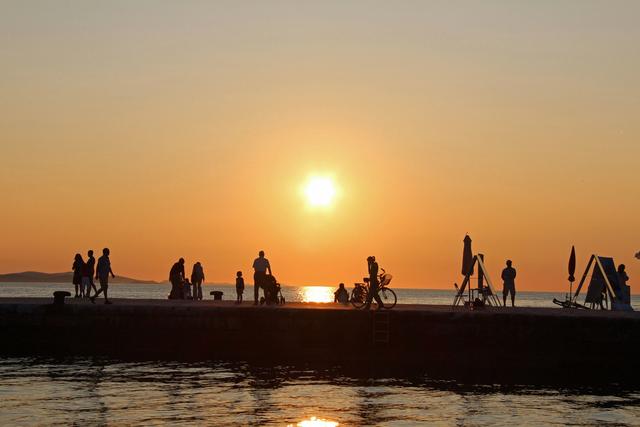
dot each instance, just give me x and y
(381, 326)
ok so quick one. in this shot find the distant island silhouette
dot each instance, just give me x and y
(65, 277)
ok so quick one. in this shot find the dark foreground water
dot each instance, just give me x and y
(108, 392)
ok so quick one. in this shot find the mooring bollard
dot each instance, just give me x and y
(59, 296)
(217, 295)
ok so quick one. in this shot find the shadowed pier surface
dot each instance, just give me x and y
(490, 345)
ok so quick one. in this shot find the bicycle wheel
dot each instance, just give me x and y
(358, 297)
(388, 297)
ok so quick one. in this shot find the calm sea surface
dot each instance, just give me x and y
(291, 293)
(110, 392)
(107, 392)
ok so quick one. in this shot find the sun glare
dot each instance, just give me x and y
(320, 191)
(317, 294)
(316, 422)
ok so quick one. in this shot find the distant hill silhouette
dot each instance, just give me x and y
(38, 277)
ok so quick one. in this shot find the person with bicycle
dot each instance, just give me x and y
(373, 284)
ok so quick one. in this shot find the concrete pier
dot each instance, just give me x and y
(496, 345)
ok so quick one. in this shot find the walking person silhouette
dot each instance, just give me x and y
(102, 274)
(87, 275)
(372, 266)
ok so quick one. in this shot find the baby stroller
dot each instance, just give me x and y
(272, 292)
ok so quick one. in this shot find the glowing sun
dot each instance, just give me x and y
(320, 191)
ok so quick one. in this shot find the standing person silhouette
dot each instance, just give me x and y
(197, 278)
(509, 287)
(372, 266)
(239, 287)
(102, 274)
(260, 267)
(176, 277)
(625, 290)
(78, 265)
(90, 267)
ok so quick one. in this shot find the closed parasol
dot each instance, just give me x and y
(572, 264)
(467, 257)
(572, 270)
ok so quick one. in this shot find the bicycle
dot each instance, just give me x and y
(360, 292)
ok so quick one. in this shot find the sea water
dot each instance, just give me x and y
(291, 293)
(110, 392)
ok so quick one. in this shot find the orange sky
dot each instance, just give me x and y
(164, 130)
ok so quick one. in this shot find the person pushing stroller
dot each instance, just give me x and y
(260, 266)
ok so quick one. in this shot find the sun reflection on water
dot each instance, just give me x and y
(316, 294)
(316, 422)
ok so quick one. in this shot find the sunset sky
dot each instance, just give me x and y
(169, 129)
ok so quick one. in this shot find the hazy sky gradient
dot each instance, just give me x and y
(168, 129)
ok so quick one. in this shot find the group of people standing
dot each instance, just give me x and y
(83, 274)
(181, 288)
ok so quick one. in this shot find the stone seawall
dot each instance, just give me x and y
(492, 345)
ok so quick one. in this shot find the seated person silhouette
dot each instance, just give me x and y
(341, 295)
(186, 289)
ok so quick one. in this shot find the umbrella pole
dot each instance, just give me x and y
(475, 259)
(570, 291)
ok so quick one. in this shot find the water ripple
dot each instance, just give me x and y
(36, 391)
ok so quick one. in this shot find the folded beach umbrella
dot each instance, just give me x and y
(572, 264)
(467, 257)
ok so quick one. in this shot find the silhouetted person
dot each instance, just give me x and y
(197, 278)
(602, 298)
(102, 274)
(176, 277)
(186, 290)
(372, 266)
(77, 267)
(239, 287)
(90, 270)
(625, 290)
(260, 266)
(509, 287)
(341, 295)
